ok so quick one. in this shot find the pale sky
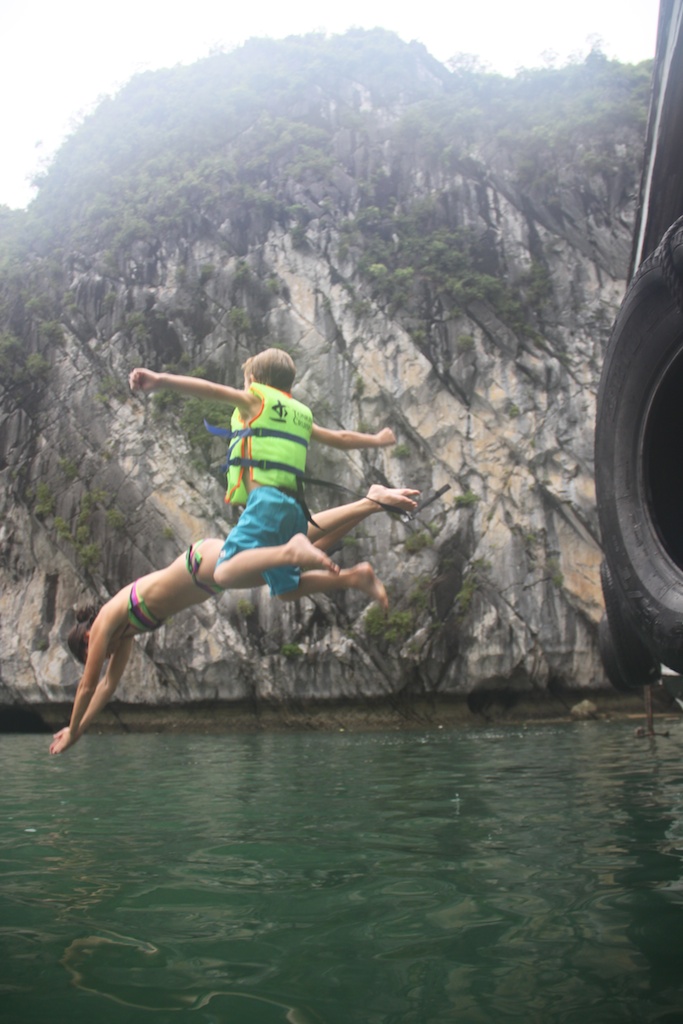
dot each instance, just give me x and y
(57, 57)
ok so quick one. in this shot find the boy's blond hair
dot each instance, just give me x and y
(273, 366)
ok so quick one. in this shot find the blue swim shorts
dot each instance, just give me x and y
(270, 518)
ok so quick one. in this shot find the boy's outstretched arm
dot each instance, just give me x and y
(146, 381)
(347, 439)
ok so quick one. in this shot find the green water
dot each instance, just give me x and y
(530, 875)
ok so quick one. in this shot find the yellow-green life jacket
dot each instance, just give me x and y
(271, 448)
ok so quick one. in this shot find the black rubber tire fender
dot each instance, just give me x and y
(638, 459)
(628, 662)
(609, 659)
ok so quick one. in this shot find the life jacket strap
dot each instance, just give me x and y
(254, 432)
(265, 464)
(238, 435)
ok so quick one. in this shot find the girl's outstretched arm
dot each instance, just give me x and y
(91, 694)
(106, 687)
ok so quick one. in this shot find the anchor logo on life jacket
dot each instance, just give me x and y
(280, 411)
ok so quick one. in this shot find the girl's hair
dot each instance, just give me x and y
(77, 640)
(274, 367)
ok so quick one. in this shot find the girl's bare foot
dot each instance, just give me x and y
(400, 498)
(362, 577)
(307, 556)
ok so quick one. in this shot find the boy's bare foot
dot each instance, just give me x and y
(399, 498)
(362, 577)
(307, 556)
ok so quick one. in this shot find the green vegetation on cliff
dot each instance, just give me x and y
(358, 137)
(229, 135)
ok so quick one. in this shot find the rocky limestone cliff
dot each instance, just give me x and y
(494, 587)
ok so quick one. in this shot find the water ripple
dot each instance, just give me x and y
(530, 875)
